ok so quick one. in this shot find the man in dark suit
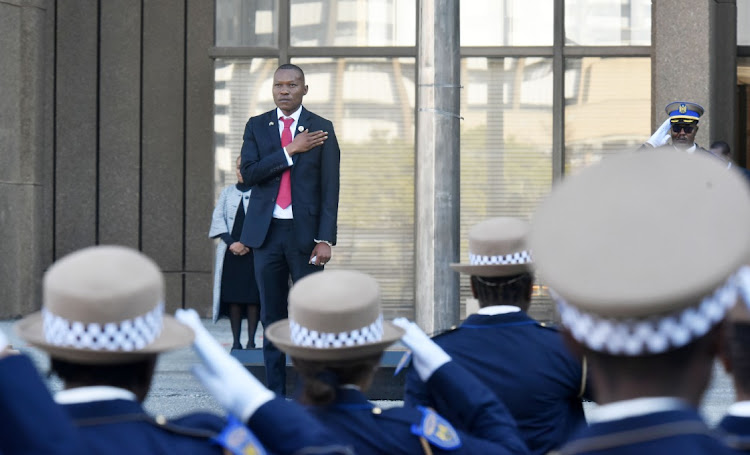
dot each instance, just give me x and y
(290, 157)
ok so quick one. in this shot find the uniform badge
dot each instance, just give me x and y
(237, 439)
(436, 430)
(683, 108)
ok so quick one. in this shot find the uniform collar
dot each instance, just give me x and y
(691, 149)
(636, 407)
(93, 393)
(500, 318)
(739, 409)
(498, 309)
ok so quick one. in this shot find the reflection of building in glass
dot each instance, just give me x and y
(608, 22)
(605, 105)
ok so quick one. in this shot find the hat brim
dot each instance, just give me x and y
(279, 334)
(174, 335)
(492, 270)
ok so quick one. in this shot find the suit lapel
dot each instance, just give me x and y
(304, 122)
(271, 130)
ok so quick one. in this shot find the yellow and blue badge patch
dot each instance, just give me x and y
(435, 429)
(237, 439)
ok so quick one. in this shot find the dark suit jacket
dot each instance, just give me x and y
(314, 177)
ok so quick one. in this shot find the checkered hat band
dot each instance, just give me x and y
(302, 336)
(521, 257)
(128, 335)
(653, 335)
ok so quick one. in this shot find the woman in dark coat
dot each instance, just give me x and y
(235, 290)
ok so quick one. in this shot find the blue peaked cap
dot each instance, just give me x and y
(684, 112)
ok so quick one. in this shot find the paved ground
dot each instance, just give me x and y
(175, 391)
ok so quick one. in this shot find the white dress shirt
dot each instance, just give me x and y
(278, 212)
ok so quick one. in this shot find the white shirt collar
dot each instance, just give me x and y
(93, 393)
(295, 115)
(498, 309)
(691, 149)
(739, 409)
(632, 408)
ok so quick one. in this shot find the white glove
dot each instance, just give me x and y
(661, 136)
(427, 355)
(236, 390)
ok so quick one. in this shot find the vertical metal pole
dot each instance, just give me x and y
(437, 164)
(558, 93)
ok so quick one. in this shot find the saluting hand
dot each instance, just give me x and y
(236, 390)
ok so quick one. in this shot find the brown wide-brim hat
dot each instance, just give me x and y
(334, 315)
(497, 247)
(640, 250)
(103, 305)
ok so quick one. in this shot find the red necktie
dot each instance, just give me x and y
(284, 198)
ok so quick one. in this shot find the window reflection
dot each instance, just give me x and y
(353, 22)
(608, 22)
(506, 144)
(608, 108)
(507, 22)
(246, 23)
(237, 84)
(371, 104)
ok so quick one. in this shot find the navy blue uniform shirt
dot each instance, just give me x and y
(526, 365)
(666, 432)
(488, 427)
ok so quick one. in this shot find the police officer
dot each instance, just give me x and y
(680, 127)
(336, 335)
(735, 356)
(31, 421)
(643, 271)
(285, 427)
(527, 366)
(103, 325)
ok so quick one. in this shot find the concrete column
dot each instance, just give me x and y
(437, 156)
(694, 59)
(23, 155)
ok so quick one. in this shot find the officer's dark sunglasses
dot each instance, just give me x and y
(685, 128)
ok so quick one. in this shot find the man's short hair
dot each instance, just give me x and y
(722, 146)
(291, 66)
